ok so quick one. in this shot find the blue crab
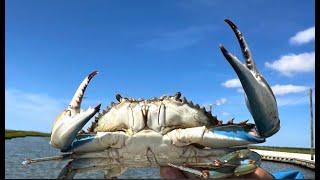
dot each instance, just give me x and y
(167, 131)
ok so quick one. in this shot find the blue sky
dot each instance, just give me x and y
(150, 48)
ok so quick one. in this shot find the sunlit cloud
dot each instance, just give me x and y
(232, 83)
(34, 111)
(221, 101)
(30, 111)
(225, 113)
(291, 64)
(288, 89)
(303, 37)
(291, 101)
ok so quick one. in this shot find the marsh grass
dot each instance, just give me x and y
(17, 133)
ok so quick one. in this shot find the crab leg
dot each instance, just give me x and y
(190, 170)
(260, 99)
(237, 163)
(52, 158)
(87, 165)
(99, 142)
(72, 120)
(218, 137)
(67, 172)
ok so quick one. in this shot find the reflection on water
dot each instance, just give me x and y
(19, 149)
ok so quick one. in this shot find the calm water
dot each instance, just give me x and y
(18, 149)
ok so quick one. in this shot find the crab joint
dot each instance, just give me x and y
(219, 137)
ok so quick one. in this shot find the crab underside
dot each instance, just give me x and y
(167, 131)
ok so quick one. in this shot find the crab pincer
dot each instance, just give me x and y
(259, 97)
(72, 119)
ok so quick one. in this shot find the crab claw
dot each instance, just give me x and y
(71, 121)
(260, 99)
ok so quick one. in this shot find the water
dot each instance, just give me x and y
(19, 149)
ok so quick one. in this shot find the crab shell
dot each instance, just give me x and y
(159, 114)
(169, 129)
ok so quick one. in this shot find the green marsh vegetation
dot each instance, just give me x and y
(17, 133)
(283, 149)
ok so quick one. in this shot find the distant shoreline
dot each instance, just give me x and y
(9, 134)
(282, 149)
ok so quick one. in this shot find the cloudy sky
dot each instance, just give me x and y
(150, 48)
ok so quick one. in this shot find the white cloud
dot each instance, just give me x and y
(240, 90)
(221, 101)
(287, 89)
(225, 113)
(294, 100)
(29, 111)
(293, 63)
(232, 83)
(303, 37)
(289, 101)
(283, 89)
(32, 111)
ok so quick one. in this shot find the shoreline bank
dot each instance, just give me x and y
(287, 157)
(9, 134)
